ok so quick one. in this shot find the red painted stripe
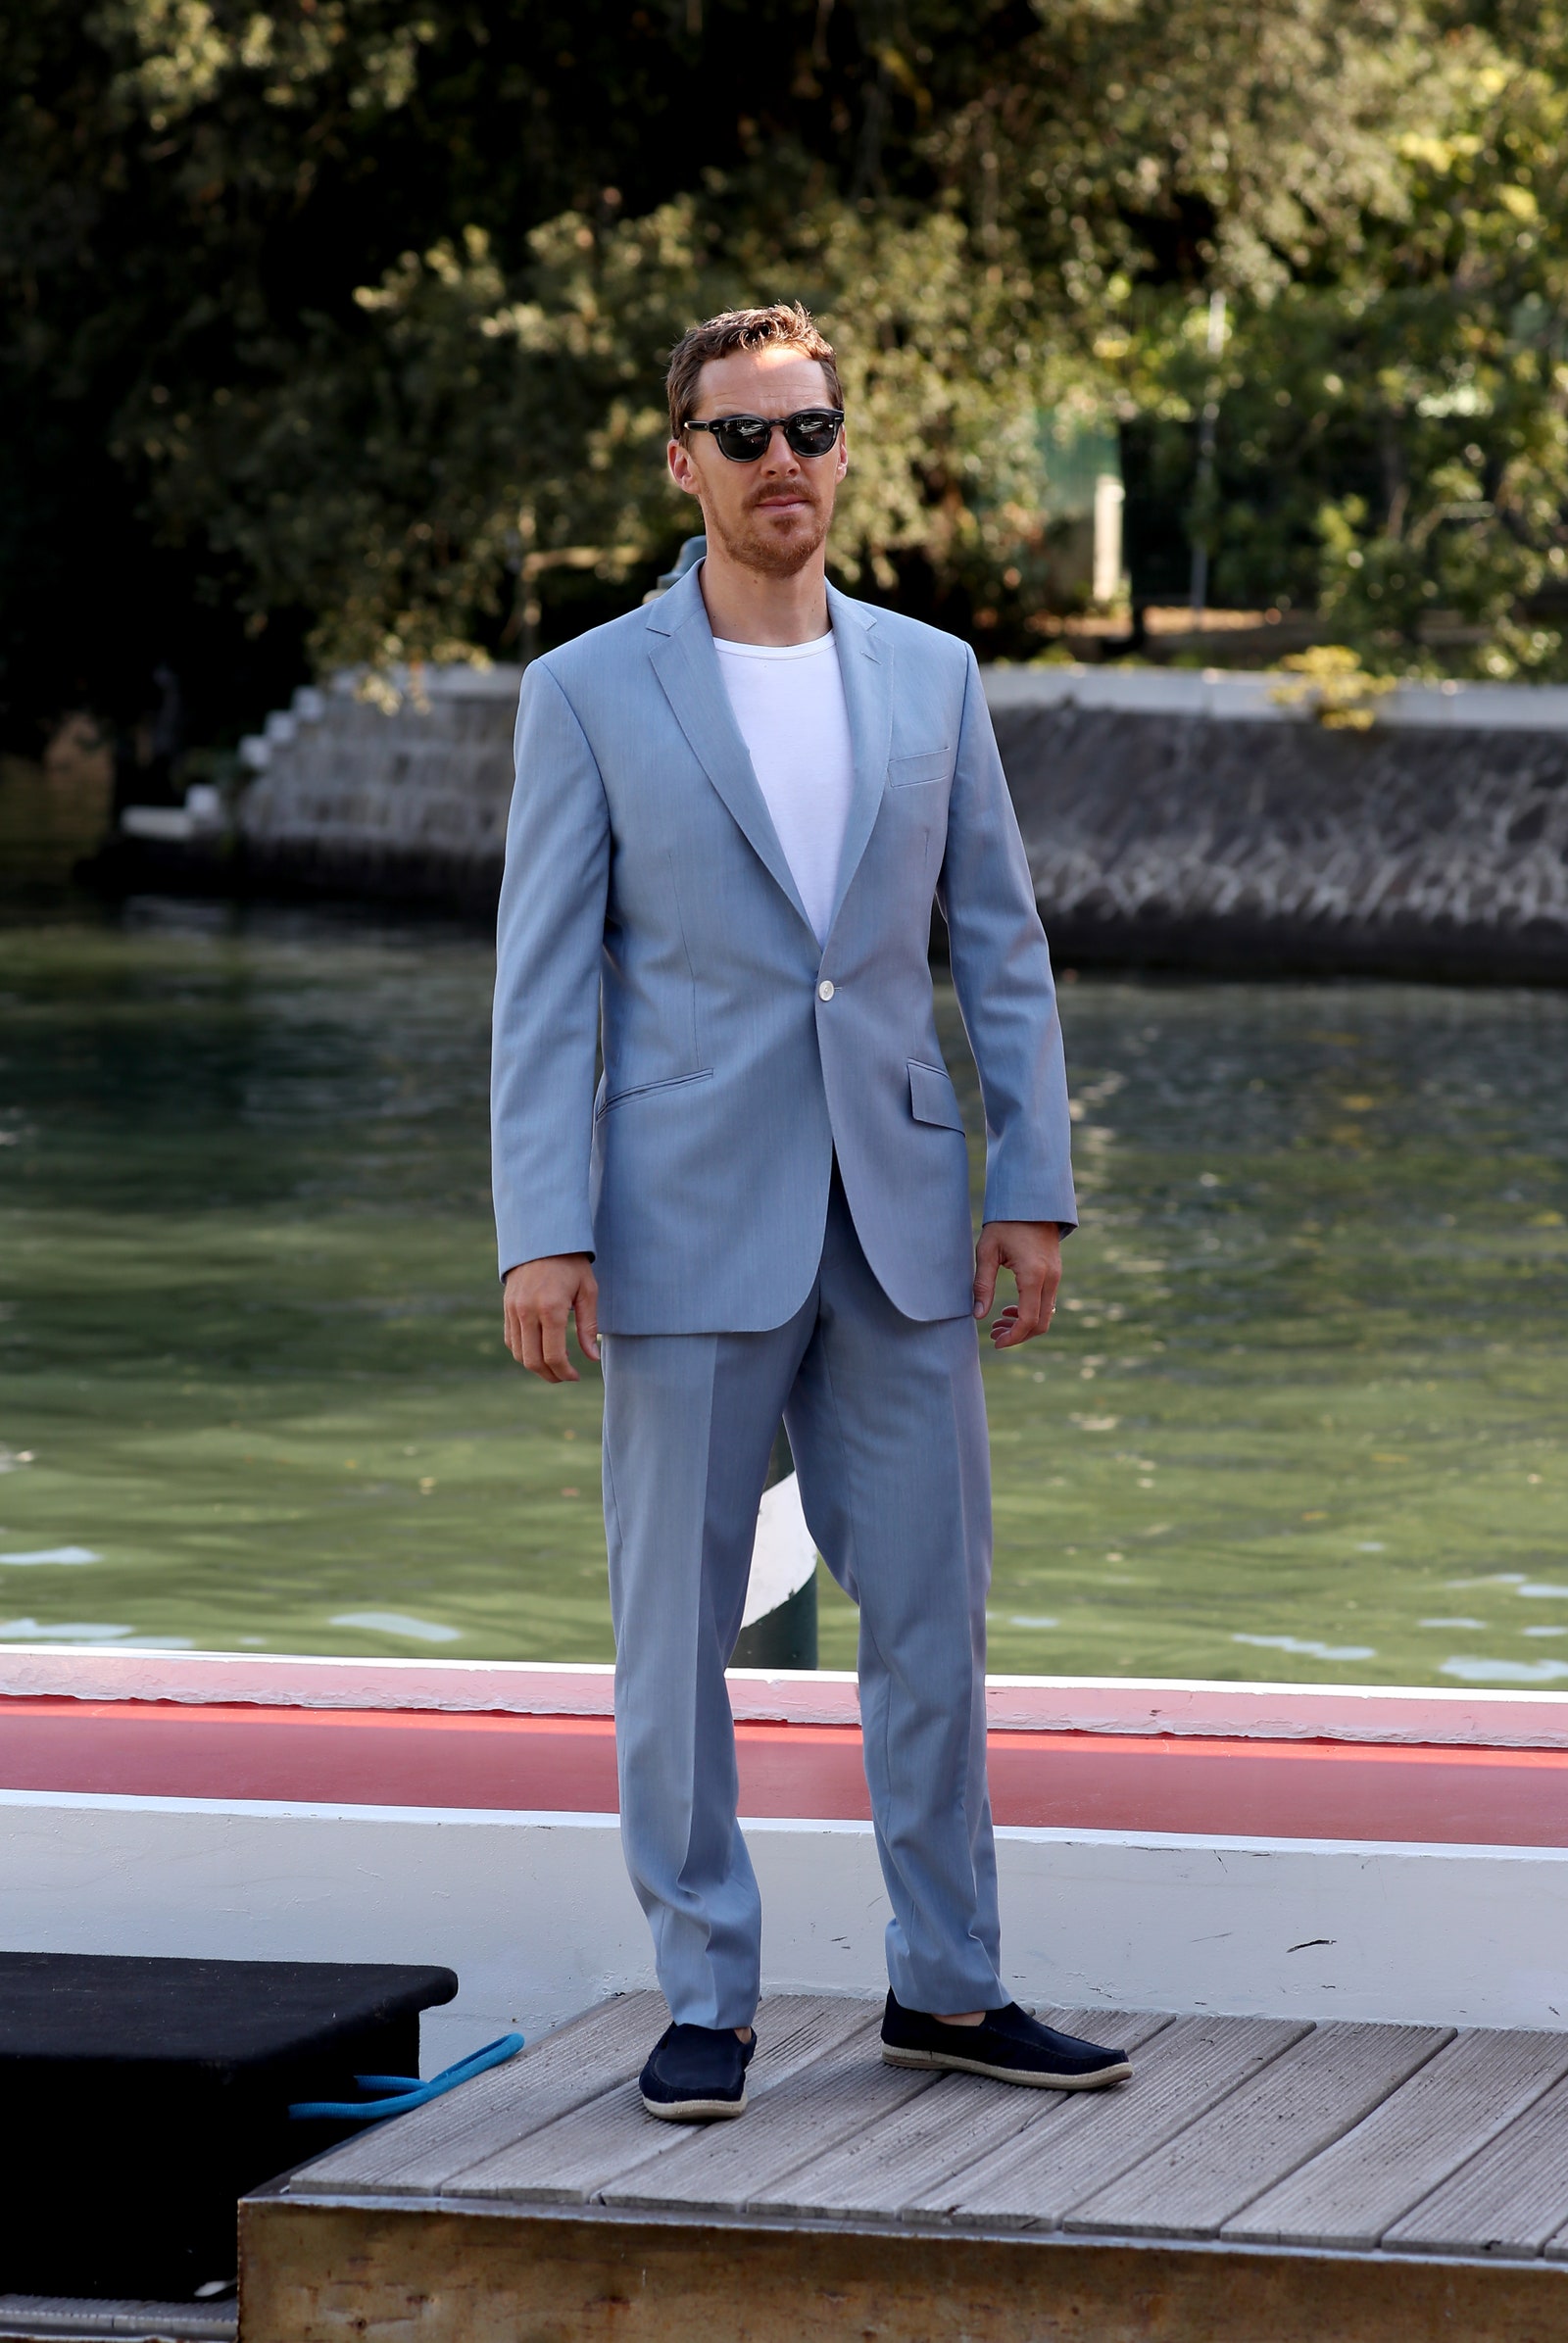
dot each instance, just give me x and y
(1209, 1787)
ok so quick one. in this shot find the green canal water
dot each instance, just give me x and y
(1302, 1418)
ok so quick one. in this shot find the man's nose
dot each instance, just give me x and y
(778, 449)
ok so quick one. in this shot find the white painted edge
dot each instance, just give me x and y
(168, 825)
(312, 1810)
(1246, 696)
(1388, 1714)
(456, 680)
(549, 1817)
(1243, 695)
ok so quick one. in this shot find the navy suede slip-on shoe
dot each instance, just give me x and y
(1008, 2045)
(697, 2075)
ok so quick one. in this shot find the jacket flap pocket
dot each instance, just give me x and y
(932, 1097)
(932, 764)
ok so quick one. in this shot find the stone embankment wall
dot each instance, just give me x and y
(1194, 821)
(1169, 817)
(411, 807)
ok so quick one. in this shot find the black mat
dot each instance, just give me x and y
(142, 2098)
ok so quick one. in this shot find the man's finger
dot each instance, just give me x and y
(587, 1316)
(538, 1345)
(1031, 1286)
(557, 1362)
(985, 1276)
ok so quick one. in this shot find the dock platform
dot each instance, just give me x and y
(1260, 2180)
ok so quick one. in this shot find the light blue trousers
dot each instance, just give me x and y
(886, 1417)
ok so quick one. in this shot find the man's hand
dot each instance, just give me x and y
(540, 1296)
(1032, 1250)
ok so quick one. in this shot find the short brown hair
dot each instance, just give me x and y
(744, 330)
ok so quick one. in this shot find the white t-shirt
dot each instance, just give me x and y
(788, 700)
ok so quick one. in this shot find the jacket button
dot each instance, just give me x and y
(824, 991)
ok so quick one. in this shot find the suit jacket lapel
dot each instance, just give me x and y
(868, 698)
(681, 648)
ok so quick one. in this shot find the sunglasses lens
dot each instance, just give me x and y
(743, 438)
(812, 434)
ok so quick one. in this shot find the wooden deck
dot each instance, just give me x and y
(1257, 2182)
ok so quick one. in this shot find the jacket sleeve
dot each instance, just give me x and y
(1001, 974)
(549, 933)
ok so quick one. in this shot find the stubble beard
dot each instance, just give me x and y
(756, 548)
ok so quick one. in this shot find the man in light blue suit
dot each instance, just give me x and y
(734, 808)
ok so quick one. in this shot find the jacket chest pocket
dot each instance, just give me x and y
(930, 764)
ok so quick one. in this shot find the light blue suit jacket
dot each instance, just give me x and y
(646, 891)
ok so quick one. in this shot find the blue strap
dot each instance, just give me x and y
(398, 2093)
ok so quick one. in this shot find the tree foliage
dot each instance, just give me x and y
(335, 327)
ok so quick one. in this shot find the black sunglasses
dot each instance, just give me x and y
(743, 438)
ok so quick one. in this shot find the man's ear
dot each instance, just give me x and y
(682, 470)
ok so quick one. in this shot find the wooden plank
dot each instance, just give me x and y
(1092, 2139)
(1510, 2198)
(417, 2154)
(1224, 2158)
(903, 2161)
(572, 2159)
(810, 2111)
(1404, 2148)
(367, 2271)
